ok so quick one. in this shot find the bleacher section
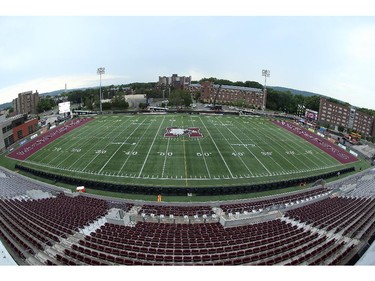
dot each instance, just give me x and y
(274, 202)
(176, 210)
(315, 226)
(13, 185)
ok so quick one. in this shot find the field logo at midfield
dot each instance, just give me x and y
(175, 132)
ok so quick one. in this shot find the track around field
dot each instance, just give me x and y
(26, 150)
(333, 150)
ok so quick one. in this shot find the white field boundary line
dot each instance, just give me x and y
(139, 140)
(74, 143)
(52, 167)
(229, 145)
(45, 152)
(297, 143)
(166, 151)
(301, 143)
(204, 159)
(148, 153)
(200, 147)
(260, 148)
(113, 154)
(260, 162)
(94, 144)
(88, 172)
(222, 158)
(257, 145)
(108, 144)
(184, 148)
(280, 144)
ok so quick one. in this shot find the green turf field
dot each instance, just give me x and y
(132, 149)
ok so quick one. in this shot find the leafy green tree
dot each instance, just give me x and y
(180, 98)
(367, 111)
(253, 84)
(106, 106)
(312, 102)
(197, 96)
(45, 104)
(119, 102)
(142, 105)
(88, 103)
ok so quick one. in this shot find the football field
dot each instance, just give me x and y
(182, 150)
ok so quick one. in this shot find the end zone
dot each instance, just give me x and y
(26, 150)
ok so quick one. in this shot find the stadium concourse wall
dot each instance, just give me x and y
(180, 191)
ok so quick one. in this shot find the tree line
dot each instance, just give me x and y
(250, 84)
(45, 104)
(289, 103)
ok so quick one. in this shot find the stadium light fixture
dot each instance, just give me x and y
(100, 71)
(265, 73)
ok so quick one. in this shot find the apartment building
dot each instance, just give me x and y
(26, 103)
(346, 116)
(227, 94)
(174, 81)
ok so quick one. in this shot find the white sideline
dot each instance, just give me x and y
(218, 150)
(148, 153)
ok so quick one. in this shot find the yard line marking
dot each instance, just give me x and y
(108, 143)
(280, 145)
(276, 151)
(135, 146)
(80, 143)
(204, 157)
(166, 151)
(246, 149)
(148, 153)
(186, 182)
(57, 142)
(90, 149)
(225, 163)
(121, 146)
(302, 146)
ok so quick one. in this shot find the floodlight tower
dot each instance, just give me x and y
(265, 73)
(100, 71)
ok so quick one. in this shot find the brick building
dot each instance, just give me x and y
(346, 116)
(174, 81)
(25, 129)
(230, 94)
(15, 128)
(26, 103)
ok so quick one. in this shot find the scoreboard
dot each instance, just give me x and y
(64, 107)
(311, 115)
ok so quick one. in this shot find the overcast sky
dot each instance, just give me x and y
(328, 55)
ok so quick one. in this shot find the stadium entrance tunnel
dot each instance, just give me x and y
(180, 191)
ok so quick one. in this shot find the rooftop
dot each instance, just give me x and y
(230, 87)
